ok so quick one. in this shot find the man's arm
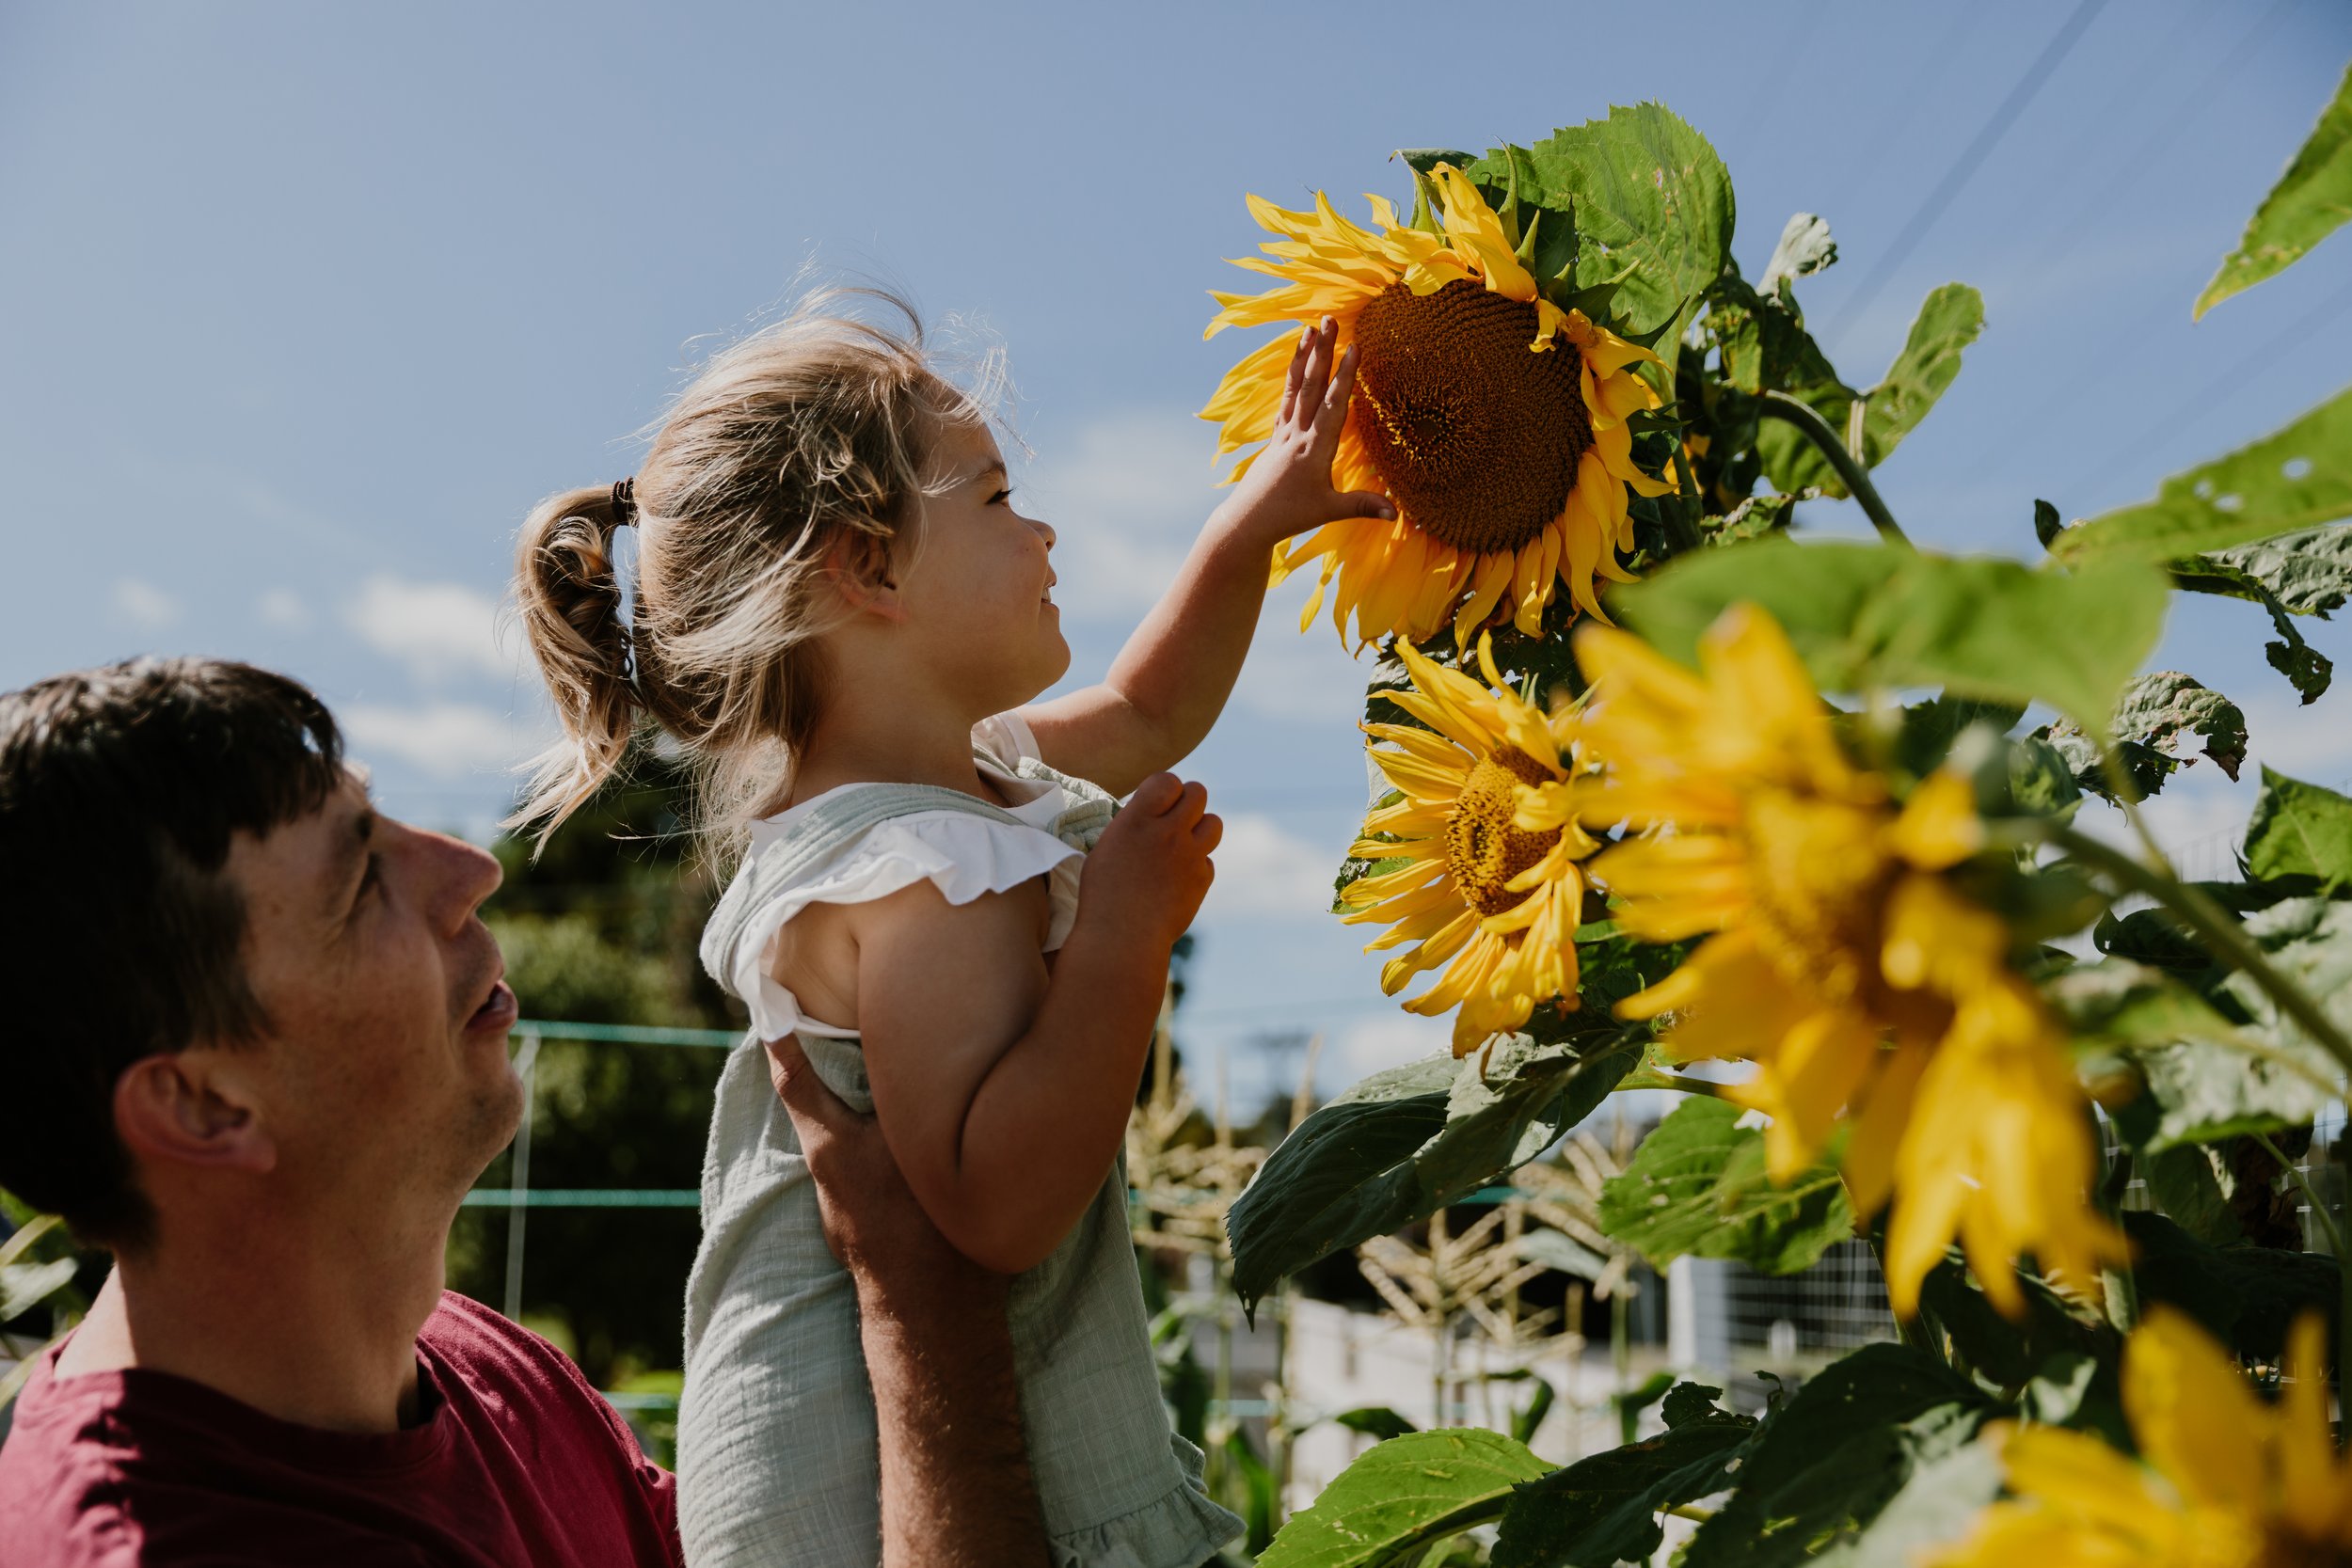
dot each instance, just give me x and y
(956, 1490)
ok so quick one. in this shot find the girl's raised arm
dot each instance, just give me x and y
(1171, 680)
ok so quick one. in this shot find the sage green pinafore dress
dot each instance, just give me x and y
(776, 1426)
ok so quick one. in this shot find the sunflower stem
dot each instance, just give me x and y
(2207, 920)
(1780, 405)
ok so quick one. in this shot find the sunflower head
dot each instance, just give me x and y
(2223, 1478)
(1841, 956)
(1494, 418)
(1491, 901)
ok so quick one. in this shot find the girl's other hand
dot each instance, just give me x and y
(1146, 877)
(1288, 488)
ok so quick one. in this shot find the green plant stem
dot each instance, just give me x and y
(1795, 411)
(1691, 1511)
(2229, 941)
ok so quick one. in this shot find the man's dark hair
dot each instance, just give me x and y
(120, 934)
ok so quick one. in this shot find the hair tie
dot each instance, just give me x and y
(625, 502)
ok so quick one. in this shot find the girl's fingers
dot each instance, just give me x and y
(1331, 416)
(1297, 374)
(1318, 370)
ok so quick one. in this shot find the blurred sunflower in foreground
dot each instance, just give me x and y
(2228, 1482)
(1496, 904)
(1840, 956)
(1494, 419)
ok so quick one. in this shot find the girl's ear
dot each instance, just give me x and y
(859, 567)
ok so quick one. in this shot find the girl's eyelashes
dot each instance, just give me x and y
(1001, 497)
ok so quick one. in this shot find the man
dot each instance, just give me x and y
(257, 1048)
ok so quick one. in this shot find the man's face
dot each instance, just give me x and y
(384, 1081)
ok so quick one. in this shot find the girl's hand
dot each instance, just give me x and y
(1145, 878)
(1288, 488)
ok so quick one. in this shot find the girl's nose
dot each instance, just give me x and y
(1045, 531)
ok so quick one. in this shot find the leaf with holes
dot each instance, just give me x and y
(2296, 479)
(2310, 201)
(1697, 1187)
(1949, 319)
(1805, 248)
(1403, 1496)
(2156, 714)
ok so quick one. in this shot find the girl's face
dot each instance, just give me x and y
(978, 590)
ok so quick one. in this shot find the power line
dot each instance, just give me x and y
(1964, 167)
(2175, 125)
(1882, 138)
(2302, 326)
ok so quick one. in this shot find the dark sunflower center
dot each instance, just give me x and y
(1475, 437)
(1482, 850)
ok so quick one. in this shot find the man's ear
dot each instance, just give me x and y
(859, 566)
(181, 1108)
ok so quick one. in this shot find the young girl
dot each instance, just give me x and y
(838, 614)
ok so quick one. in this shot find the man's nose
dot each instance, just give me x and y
(463, 876)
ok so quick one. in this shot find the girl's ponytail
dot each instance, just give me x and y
(569, 593)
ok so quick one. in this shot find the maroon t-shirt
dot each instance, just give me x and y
(514, 1460)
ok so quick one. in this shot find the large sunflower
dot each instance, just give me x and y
(1497, 905)
(2228, 1482)
(1494, 419)
(1839, 956)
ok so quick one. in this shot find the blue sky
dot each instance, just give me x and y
(308, 304)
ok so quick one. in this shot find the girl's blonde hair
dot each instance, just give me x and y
(802, 451)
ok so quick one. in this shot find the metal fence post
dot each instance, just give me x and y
(518, 1184)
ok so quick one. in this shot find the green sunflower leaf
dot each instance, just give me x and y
(2245, 1296)
(1404, 1495)
(2295, 479)
(1949, 321)
(1697, 1187)
(1837, 1454)
(2299, 837)
(1936, 1507)
(1603, 1510)
(1405, 1143)
(2310, 201)
(2298, 573)
(2153, 717)
(1643, 188)
(1871, 615)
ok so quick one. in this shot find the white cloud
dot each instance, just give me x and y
(1263, 870)
(1126, 501)
(444, 739)
(284, 609)
(1387, 1039)
(144, 604)
(438, 629)
(1305, 676)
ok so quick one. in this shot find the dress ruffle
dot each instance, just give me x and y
(964, 856)
(1182, 1527)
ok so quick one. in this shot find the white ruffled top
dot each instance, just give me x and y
(962, 855)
